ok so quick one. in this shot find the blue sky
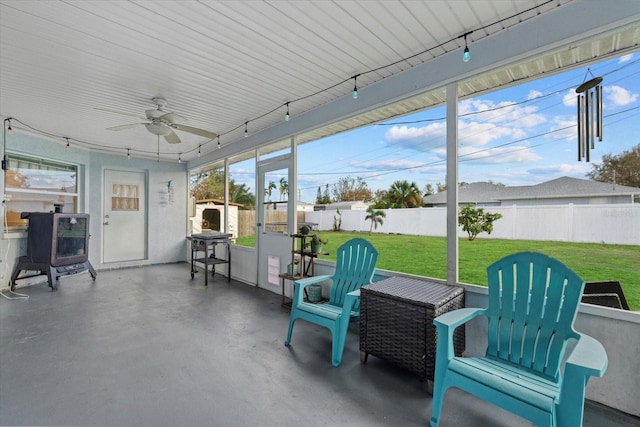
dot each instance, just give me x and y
(522, 135)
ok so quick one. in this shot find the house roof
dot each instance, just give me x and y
(486, 192)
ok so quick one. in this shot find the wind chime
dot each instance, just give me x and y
(589, 116)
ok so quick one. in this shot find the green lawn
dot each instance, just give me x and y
(426, 256)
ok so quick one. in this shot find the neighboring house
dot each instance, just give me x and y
(560, 191)
(343, 206)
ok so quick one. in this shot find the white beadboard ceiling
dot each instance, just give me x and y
(74, 68)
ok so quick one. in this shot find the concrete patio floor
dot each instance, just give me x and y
(149, 346)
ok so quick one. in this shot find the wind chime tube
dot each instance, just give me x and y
(599, 111)
(587, 123)
(592, 117)
(580, 131)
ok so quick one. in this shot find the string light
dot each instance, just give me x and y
(220, 146)
(286, 116)
(246, 132)
(179, 157)
(128, 154)
(466, 55)
(199, 153)
(68, 146)
(355, 86)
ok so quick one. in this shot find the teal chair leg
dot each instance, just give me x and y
(288, 340)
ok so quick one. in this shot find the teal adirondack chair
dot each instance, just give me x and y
(533, 301)
(355, 266)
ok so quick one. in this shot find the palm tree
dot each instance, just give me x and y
(284, 188)
(405, 195)
(269, 190)
(375, 216)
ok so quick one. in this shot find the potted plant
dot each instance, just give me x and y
(316, 243)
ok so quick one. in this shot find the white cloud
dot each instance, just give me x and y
(507, 112)
(473, 134)
(418, 138)
(577, 170)
(625, 58)
(570, 99)
(383, 165)
(563, 128)
(620, 96)
(499, 155)
(533, 94)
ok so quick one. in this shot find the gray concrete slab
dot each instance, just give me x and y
(150, 347)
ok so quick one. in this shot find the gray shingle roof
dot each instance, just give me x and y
(485, 192)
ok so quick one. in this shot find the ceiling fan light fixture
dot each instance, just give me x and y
(159, 129)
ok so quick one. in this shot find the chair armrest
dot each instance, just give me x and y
(300, 284)
(455, 318)
(588, 357)
(349, 301)
(447, 323)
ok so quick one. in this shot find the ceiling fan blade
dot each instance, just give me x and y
(172, 118)
(123, 127)
(172, 138)
(195, 131)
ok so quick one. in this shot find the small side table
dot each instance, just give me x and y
(396, 322)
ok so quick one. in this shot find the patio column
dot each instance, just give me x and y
(452, 183)
(226, 195)
(292, 212)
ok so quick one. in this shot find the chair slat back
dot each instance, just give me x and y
(533, 302)
(355, 266)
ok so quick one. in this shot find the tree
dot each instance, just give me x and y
(241, 194)
(475, 220)
(210, 185)
(623, 169)
(350, 189)
(269, 190)
(337, 220)
(428, 190)
(375, 216)
(284, 188)
(405, 195)
(323, 199)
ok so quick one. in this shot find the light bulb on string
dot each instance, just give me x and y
(179, 157)
(246, 132)
(219, 145)
(128, 154)
(466, 55)
(158, 148)
(68, 146)
(199, 153)
(355, 87)
(286, 116)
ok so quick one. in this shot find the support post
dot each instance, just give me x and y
(452, 184)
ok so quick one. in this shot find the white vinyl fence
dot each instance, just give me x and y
(613, 224)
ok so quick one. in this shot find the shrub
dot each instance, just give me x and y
(475, 220)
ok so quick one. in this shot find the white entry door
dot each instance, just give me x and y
(124, 231)
(272, 228)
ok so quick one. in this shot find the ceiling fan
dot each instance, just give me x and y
(163, 124)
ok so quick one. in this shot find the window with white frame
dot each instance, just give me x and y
(37, 185)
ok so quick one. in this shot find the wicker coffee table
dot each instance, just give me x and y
(396, 322)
